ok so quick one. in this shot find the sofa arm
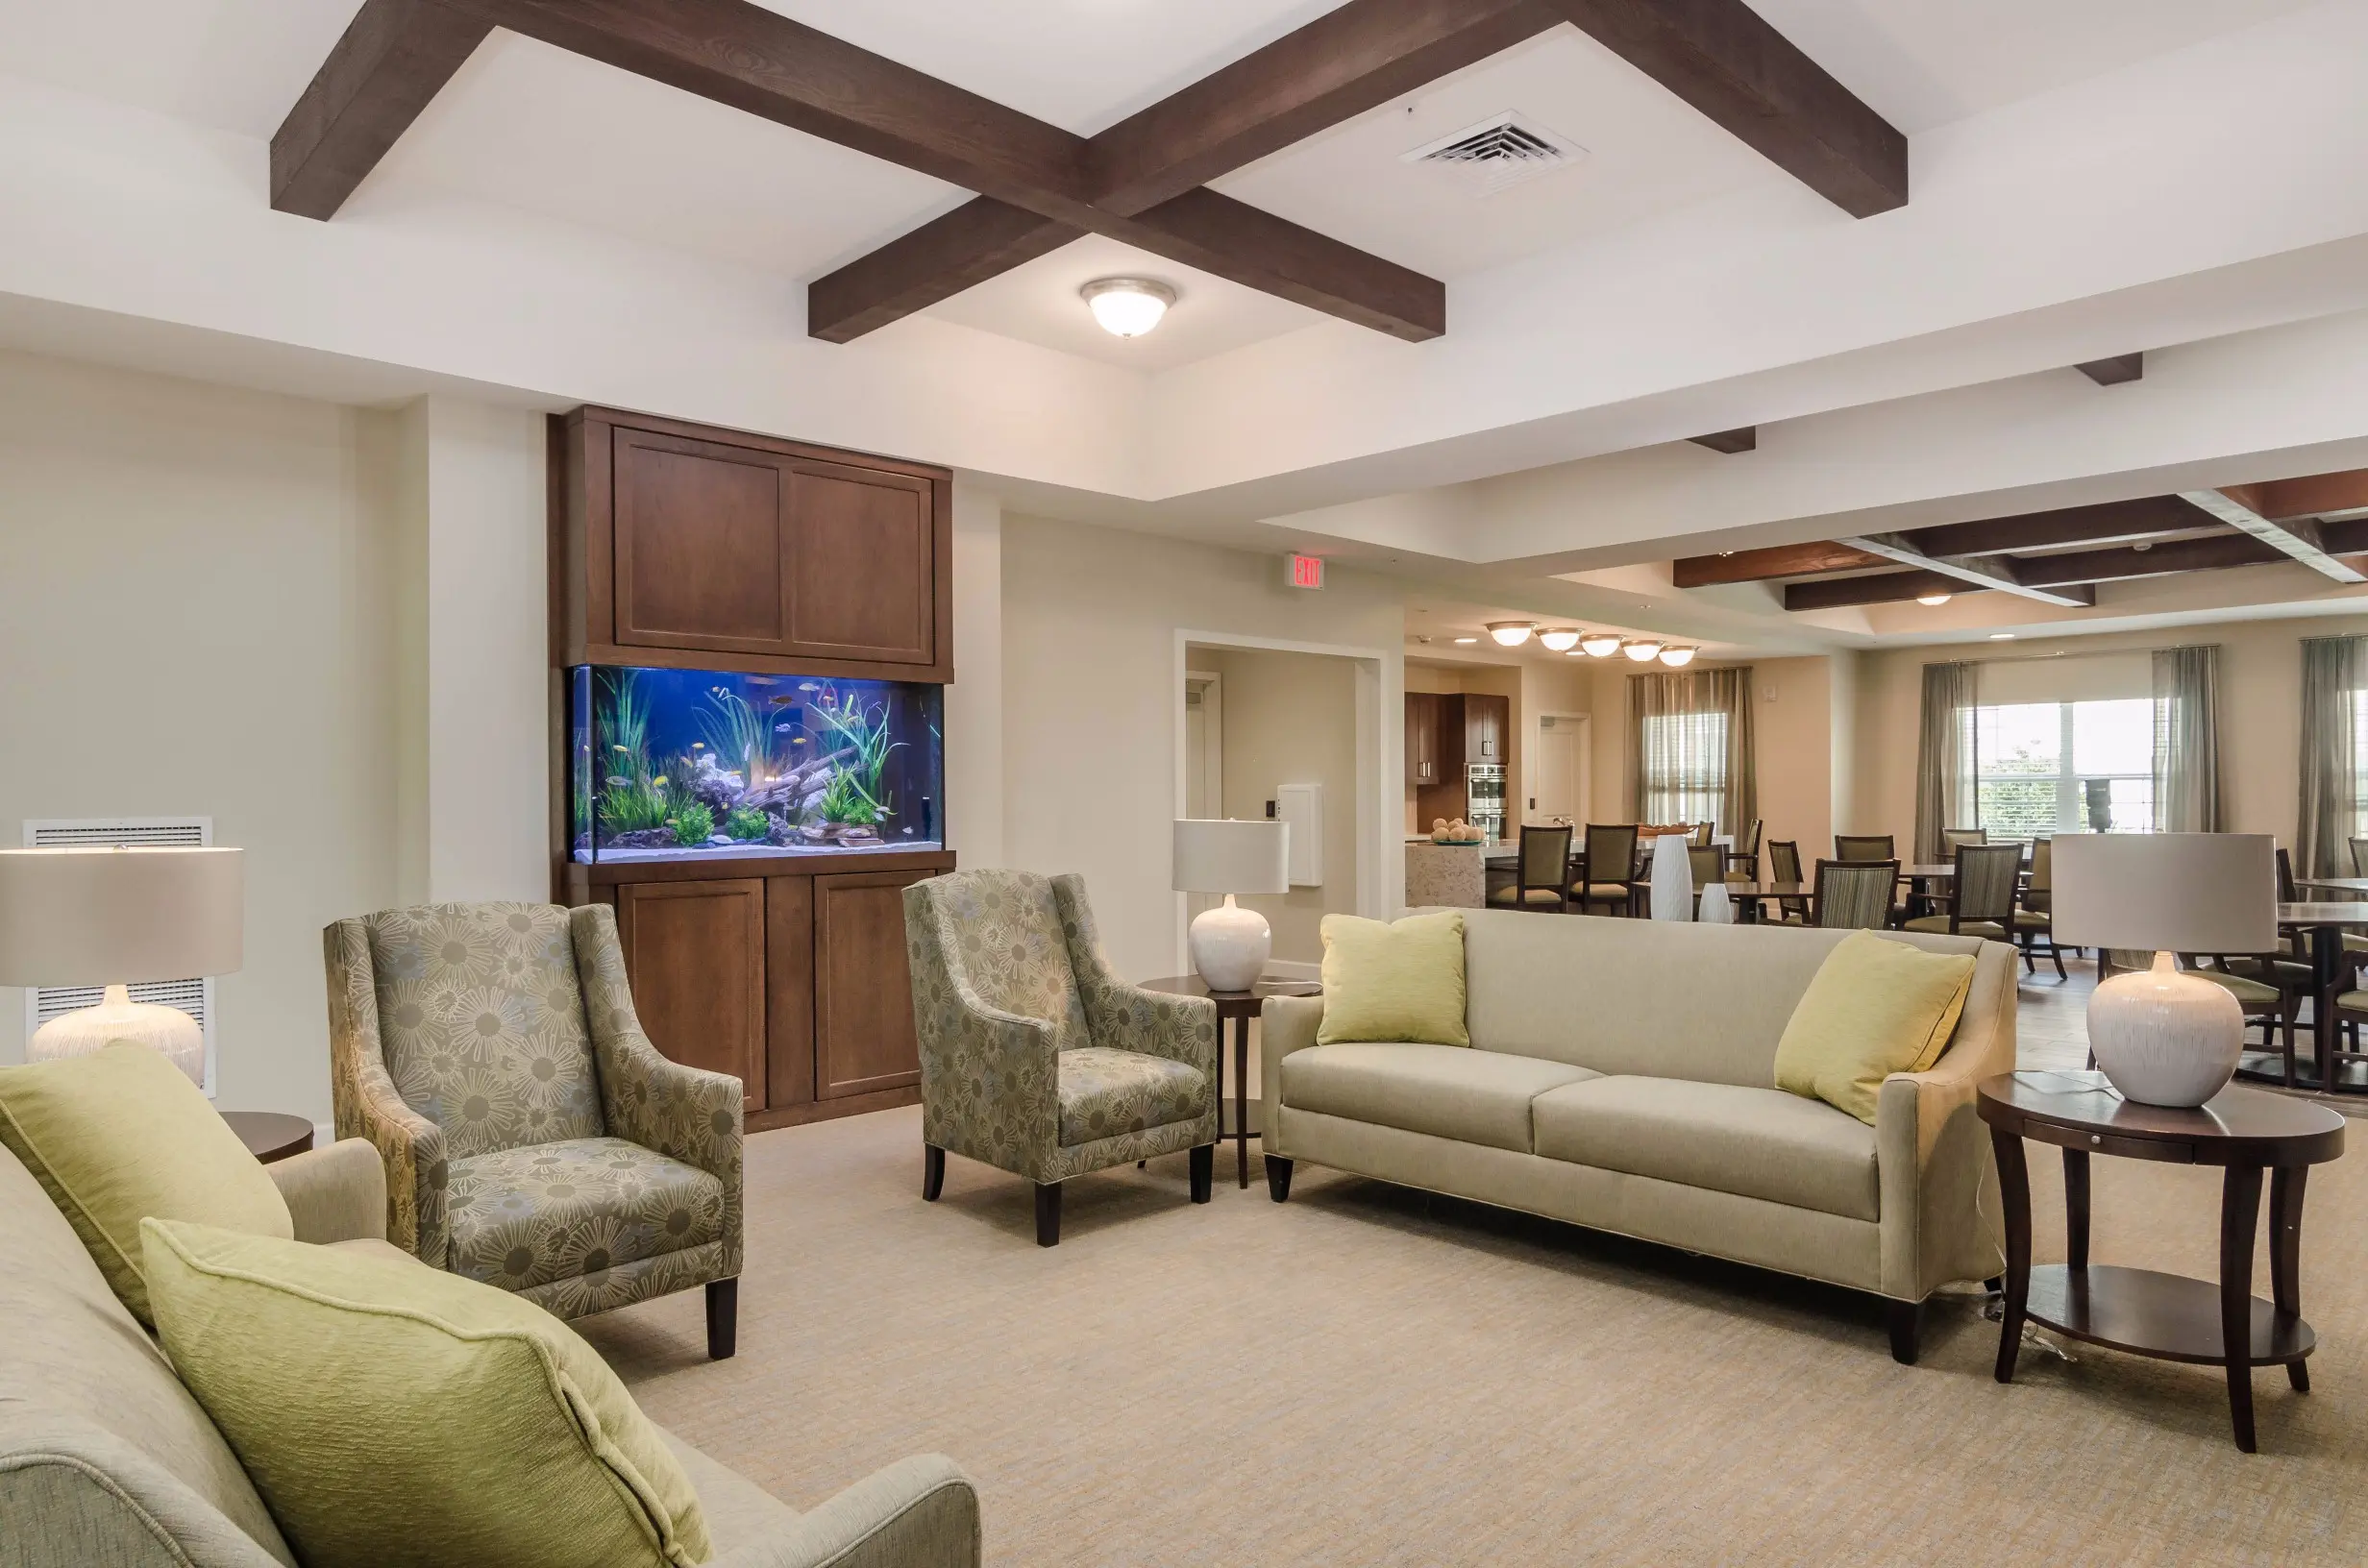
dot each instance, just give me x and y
(921, 1512)
(1943, 1220)
(1285, 1024)
(334, 1194)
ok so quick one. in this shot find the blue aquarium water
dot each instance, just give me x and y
(674, 764)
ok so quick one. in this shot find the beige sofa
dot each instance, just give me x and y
(105, 1458)
(1621, 1076)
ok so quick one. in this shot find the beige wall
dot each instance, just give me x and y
(1792, 721)
(195, 618)
(1092, 702)
(1291, 719)
(2261, 718)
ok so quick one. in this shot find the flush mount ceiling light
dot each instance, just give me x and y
(2002, 636)
(1127, 306)
(1931, 598)
(1601, 645)
(1462, 642)
(1510, 633)
(1677, 658)
(1561, 639)
(1644, 649)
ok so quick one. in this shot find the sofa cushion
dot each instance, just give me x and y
(1106, 1092)
(1754, 1142)
(122, 1134)
(395, 1415)
(1398, 981)
(523, 1217)
(1877, 1007)
(1446, 1090)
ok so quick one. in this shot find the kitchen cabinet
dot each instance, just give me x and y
(1425, 725)
(1486, 720)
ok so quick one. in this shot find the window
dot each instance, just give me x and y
(1685, 767)
(2359, 761)
(2046, 767)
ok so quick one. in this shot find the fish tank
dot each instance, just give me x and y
(687, 763)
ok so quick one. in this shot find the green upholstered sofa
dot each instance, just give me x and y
(1622, 1076)
(106, 1459)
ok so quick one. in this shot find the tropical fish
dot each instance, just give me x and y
(783, 729)
(808, 686)
(658, 783)
(698, 746)
(800, 741)
(763, 680)
(617, 779)
(620, 748)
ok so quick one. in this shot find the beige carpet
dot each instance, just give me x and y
(1367, 1375)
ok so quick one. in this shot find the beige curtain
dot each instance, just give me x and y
(2188, 740)
(1691, 744)
(2334, 673)
(1946, 793)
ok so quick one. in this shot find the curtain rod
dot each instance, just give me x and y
(2107, 653)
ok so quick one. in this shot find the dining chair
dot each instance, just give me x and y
(2360, 857)
(1784, 864)
(1702, 832)
(1708, 864)
(1543, 876)
(2271, 1006)
(1746, 853)
(1607, 872)
(1853, 895)
(2034, 920)
(1982, 901)
(1855, 846)
(1952, 837)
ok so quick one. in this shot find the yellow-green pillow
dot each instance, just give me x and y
(122, 1134)
(393, 1414)
(1402, 981)
(1874, 1008)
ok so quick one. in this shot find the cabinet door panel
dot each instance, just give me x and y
(695, 953)
(789, 991)
(701, 533)
(859, 577)
(863, 994)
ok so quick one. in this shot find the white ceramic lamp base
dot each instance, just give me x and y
(168, 1031)
(2164, 1037)
(1230, 945)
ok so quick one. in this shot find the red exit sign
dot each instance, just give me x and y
(1304, 571)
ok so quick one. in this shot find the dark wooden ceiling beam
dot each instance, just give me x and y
(1761, 565)
(2117, 371)
(1999, 572)
(2101, 523)
(980, 239)
(395, 56)
(2315, 494)
(1726, 61)
(1730, 443)
(2298, 537)
(2213, 554)
(1898, 588)
(1250, 246)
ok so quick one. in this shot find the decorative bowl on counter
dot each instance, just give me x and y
(1458, 831)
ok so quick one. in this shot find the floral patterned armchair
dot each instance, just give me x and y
(1035, 1057)
(533, 1138)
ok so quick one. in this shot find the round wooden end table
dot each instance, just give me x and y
(2168, 1317)
(1240, 1007)
(270, 1134)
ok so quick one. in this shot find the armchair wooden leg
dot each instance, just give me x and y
(1048, 1213)
(1204, 1171)
(1907, 1325)
(1278, 1177)
(722, 1318)
(932, 1173)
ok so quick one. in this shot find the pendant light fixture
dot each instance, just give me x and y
(1677, 658)
(1599, 645)
(1643, 649)
(1510, 633)
(1561, 639)
(1931, 598)
(1127, 306)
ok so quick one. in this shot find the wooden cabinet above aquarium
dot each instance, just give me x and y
(689, 547)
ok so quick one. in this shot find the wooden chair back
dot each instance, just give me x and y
(1854, 895)
(1986, 874)
(1861, 846)
(1952, 837)
(2360, 857)
(1545, 859)
(1784, 859)
(1702, 832)
(1610, 851)
(1709, 862)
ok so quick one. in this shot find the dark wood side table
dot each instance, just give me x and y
(1239, 1006)
(2168, 1317)
(270, 1134)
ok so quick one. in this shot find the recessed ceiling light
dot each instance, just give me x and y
(1931, 598)
(1677, 658)
(1561, 639)
(2002, 636)
(1644, 649)
(1466, 641)
(1127, 306)
(1600, 645)
(1510, 633)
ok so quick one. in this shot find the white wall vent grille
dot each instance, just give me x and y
(195, 997)
(1501, 153)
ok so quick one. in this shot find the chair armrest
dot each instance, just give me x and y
(1161, 1024)
(334, 1194)
(921, 1512)
(1285, 1024)
(1941, 1216)
(369, 1106)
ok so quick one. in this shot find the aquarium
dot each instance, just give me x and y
(674, 764)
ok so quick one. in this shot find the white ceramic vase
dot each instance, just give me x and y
(1715, 907)
(1230, 945)
(1672, 878)
(2164, 1037)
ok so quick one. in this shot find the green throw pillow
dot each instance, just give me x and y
(1403, 981)
(1875, 1007)
(393, 1414)
(122, 1134)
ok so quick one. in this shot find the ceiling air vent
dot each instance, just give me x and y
(1500, 153)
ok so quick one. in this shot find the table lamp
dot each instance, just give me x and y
(2164, 1037)
(115, 918)
(1229, 944)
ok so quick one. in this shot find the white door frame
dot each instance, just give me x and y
(1380, 734)
(1212, 734)
(1586, 723)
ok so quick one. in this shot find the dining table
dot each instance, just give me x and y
(2337, 1072)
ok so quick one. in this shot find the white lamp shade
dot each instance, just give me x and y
(2169, 893)
(119, 916)
(1232, 857)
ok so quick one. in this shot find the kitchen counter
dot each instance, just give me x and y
(1444, 875)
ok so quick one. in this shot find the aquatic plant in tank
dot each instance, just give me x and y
(676, 763)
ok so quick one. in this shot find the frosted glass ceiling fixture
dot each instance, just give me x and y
(1465, 641)
(1510, 633)
(1127, 306)
(1644, 649)
(1931, 598)
(1677, 658)
(1561, 639)
(1601, 645)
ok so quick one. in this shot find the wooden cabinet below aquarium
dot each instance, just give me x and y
(790, 976)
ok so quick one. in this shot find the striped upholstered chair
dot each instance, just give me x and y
(1854, 894)
(533, 1138)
